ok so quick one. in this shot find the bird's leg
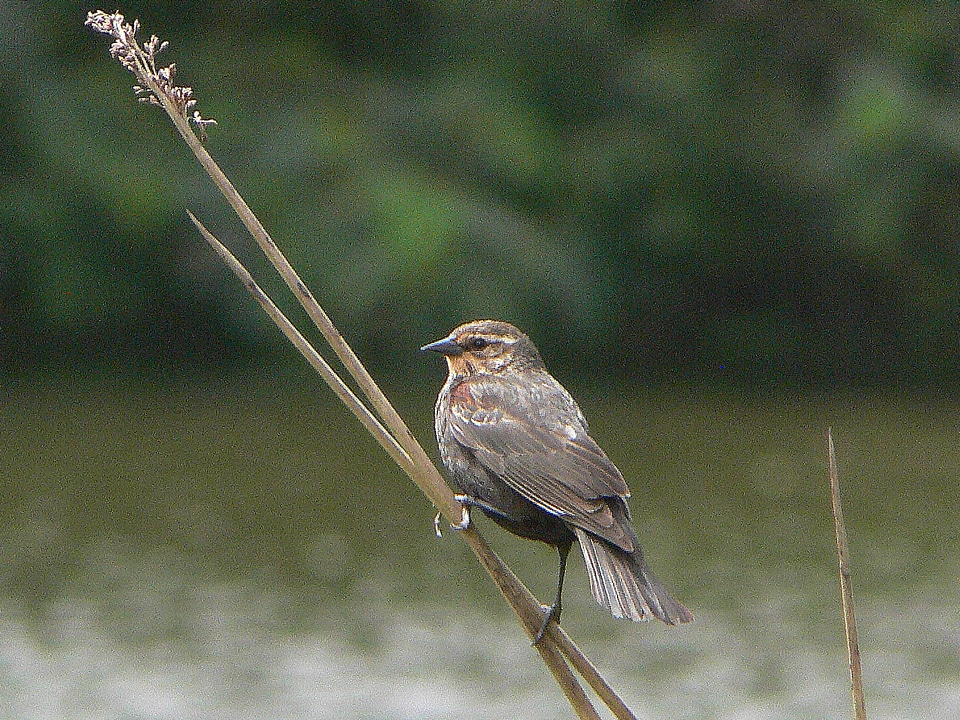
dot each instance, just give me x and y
(468, 501)
(553, 612)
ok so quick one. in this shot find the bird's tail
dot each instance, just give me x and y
(622, 583)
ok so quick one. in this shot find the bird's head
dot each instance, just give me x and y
(487, 347)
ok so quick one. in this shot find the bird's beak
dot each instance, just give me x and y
(447, 346)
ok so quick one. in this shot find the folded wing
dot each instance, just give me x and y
(536, 439)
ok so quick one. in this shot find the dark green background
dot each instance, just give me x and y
(743, 193)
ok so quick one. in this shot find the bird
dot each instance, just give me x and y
(518, 448)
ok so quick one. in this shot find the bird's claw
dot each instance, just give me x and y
(462, 525)
(551, 612)
(464, 515)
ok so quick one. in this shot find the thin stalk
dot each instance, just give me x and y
(591, 674)
(521, 600)
(424, 474)
(316, 360)
(846, 586)
(157, 87)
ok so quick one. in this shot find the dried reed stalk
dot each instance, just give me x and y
(846, 587)
(158, 87)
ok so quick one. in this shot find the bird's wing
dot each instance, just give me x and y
(534, 437)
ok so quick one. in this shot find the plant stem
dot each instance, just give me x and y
(524, 604)
(846, 587)
(389, 429)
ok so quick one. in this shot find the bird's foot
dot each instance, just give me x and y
(462, 525)
(464, 517)
(551, 612)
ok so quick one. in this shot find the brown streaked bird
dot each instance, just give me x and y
(518, 447)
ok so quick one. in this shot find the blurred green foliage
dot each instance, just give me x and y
(754, 193)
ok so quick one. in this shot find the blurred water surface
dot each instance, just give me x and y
(225, 549)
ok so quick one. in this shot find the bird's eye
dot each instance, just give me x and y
(477, 343)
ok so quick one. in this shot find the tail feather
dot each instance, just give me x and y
(622, 583)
